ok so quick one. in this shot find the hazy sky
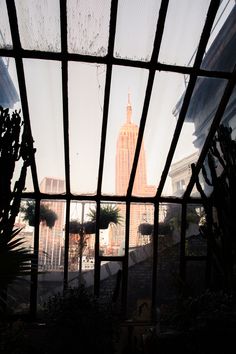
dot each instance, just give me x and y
(134, 37)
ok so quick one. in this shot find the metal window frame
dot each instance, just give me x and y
(109, 60)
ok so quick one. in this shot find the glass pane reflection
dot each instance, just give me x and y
(221, 45)
(203, 106)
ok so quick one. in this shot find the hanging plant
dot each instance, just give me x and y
(46, 214)
(75, 227)
(108, 214)
(145, 229)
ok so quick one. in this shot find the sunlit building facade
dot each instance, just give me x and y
(125, 150)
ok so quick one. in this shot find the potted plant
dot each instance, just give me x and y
(47, 215)
(108, 214)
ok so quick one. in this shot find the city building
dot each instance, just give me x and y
(125, 150)
(51, 240)
(180, 173)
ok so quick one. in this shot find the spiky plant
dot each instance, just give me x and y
(15, 261)
(108, 214)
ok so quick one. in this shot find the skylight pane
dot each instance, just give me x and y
(127, 91)
(43, 81)
(220, 51)
(39, 24)
(159, 130)
(5, 32)
(203, 106)
(88, 26)
(183, 27)
(136, 28)
(86, 95)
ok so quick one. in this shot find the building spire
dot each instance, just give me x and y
(128, 110)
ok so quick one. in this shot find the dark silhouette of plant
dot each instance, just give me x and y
(46, 214)
(172, 221)
(16, 145)
(78, 314)
(108, 214)
(15, 259)
(220, 212)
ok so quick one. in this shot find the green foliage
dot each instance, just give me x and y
(108, 214)
(46, 214)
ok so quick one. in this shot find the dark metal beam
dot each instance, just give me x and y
(63, 16)
(111, 41)
(114, 5)
(154, 58)
(58, 56)
(21, 81)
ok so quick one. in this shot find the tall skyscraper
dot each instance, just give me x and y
(125, 150)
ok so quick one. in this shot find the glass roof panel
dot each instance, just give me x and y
(43, 81)
(221, 45)
(127, 91)
(136, 28)
(86, 96)
(203, 106)
(159, 130)
(182, 31)
(5, 32)
(39, 24)
(88, 26)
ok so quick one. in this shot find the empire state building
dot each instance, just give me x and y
(125, 150)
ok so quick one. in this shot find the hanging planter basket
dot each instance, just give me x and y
(145, 229)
